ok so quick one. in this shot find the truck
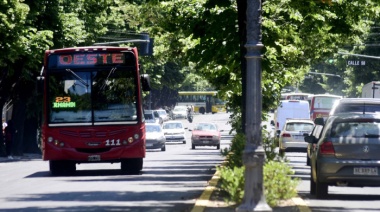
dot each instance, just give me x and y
(371, 90)
(290, 109)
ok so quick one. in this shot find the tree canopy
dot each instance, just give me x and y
(194, 40)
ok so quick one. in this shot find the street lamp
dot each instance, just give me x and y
(254, 154)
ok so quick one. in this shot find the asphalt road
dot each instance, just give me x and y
(170, 180)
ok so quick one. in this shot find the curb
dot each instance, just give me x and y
(204, 199)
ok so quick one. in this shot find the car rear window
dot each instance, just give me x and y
(299, 127)
(356, 129)
(361, 108)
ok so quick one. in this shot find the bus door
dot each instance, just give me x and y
(208, 103)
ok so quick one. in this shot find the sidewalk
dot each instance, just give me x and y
(25, 157)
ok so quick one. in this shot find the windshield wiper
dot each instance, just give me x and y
(78, 77)
(109, 74)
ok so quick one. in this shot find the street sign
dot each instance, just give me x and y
(356, 62)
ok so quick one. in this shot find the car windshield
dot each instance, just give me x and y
(172, 126)
(206, 127)
(153, 128)
(299, 126)
(356, 129)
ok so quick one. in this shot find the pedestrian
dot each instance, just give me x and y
(9, 136)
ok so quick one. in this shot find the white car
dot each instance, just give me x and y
(180, 112)
(174, 131)
(163, 114)
(293, 133)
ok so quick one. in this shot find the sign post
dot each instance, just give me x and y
(254, 154)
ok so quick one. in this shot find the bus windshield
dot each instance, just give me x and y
(92, 96)
(324, 102)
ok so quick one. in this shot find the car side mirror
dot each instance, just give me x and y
(319, 121)
(310, 139)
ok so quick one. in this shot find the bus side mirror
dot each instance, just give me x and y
(145, 81)
(40, 84)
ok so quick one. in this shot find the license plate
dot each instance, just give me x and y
(365, 170)
(94, 158)
(149, 144)
(206, 142)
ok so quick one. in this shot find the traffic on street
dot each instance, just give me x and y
(170, 180)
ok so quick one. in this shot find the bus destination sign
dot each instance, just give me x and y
(90, 59)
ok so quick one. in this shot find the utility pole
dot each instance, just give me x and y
(254, 154)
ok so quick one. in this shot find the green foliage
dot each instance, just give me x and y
(232, 182)
(278, 183)
(234, 154)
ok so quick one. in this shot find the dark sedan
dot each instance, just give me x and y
(346, 154)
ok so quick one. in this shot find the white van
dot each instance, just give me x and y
(290, 109)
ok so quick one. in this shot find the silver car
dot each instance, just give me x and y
(346, 154)
(292, 134)
(155, 138)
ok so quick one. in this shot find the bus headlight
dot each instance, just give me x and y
(50, 139)
(130, 140)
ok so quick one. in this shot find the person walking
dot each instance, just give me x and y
(9, 132)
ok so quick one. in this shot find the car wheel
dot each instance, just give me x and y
(163, 148)
(184, 142)
(321, 190)
(218, 146)
(312, 183)
(192, 146)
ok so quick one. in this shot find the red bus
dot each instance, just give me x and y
(93, 108)
(321, 104)
(295, 96)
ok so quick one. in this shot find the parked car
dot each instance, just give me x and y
(180, 112)
(346, 154)
(155, 138)
(152, 116)
(174, 131)
(205, 134)
(292, 134)
(356, 105)
(163, 114)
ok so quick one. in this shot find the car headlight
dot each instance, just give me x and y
(215, 137)
(195, 137)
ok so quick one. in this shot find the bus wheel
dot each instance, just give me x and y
(58, 168)
(131, 165)
(202, 110)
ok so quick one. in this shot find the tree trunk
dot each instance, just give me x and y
(18, 117)
(30, 142)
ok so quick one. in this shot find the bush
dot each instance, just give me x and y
(278, 184)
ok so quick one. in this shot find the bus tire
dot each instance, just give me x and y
(131, 165)
(202, 110)
(59, 168)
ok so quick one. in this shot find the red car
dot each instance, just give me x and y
(205, 134)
